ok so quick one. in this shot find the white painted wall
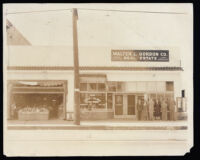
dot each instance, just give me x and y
(88, 56)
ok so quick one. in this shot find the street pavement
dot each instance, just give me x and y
(100, 125)
(97, 138)
(95, 142)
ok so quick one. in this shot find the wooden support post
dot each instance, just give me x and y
(76, 69)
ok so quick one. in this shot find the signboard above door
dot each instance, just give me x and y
(140, 55)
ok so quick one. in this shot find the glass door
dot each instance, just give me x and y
(131, 104)
(118, 104)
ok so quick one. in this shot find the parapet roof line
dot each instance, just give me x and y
(95, 68)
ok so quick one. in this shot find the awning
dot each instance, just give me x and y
(50, 83)
(28, 83)
(37, 90)
(44, 83)
(50, 87)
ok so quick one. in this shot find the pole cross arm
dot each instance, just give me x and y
(75, 12)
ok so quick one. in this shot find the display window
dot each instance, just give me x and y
(112, 86)
(92, 101)
(92, 95)
(31, 100)
(98, 95)
(92, 87)
(93, 90)
(28, 105)
(101, 87)
(83, 86)
(116, 86)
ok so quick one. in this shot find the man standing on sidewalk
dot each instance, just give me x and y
(139, 109)
(172, 110)
(151, 109)
(164, 110)
(145, 110)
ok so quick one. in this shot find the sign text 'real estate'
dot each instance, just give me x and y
(140, 55)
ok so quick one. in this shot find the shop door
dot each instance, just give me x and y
(131, 104)
(118, 105)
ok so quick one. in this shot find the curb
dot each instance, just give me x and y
(97, 127)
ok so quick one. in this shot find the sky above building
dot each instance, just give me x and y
(102, 28)
(51, 25)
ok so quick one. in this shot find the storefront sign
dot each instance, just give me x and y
(92, 100)
(140, 55)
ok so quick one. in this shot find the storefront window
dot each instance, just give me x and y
(83, 86)
(116, 86)
(93, 95)
(36, 100)
(101, 86)
(119, 86)
(92, 101)
(36, 105)
(169, 86)
(83, 97)
(92, 86)
(102, 100)
(112, 87)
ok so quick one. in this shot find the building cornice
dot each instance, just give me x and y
(116, 68)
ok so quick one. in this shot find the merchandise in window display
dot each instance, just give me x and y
(33, 113)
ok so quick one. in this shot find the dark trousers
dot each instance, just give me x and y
(139, 115)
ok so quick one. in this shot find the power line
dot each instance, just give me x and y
(90, 9)
(112, 10)
(38, 11)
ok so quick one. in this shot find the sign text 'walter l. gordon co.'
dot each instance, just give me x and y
(140, 55)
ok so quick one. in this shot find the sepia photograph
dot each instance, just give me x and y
(98, 79)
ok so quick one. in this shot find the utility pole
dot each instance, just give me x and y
(76, 69)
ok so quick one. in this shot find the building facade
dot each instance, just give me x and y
(112, 82)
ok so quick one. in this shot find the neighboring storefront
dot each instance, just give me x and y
(103, 99)
(37, 100)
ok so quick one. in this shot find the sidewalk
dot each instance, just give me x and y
(99, 125)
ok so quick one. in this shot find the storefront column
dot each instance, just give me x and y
(9, 94)
(65, 100)
(125, 105)
(70, 100)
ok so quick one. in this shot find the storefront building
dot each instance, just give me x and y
(112, 82)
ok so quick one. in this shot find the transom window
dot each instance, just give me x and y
(97, 87)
